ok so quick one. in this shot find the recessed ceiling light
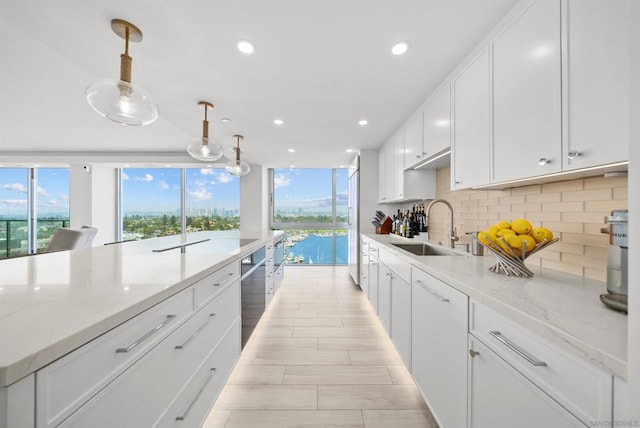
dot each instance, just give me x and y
(400, 48)
(349, 150)
(225, 120)
(341, 166)
(35, 165)
(291, 150)
(292, 166)
(245, 46)
(363, 122)
(167, 166)
(278, 122)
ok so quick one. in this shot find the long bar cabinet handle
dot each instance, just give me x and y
(147, 335)
(518, 350)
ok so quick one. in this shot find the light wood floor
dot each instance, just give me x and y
(319, 358)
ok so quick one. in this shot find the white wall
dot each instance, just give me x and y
(254, 202)
(634, 212)
(92, 200)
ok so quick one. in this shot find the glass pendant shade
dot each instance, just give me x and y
(237, 167)
(122, 102)
(118, 99)
(203, 150)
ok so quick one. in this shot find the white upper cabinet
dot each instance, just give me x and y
(471, 151)
(527, 95)
(383, 195)
(413, 135)
(597, 61)
(437, 122)
(398, 166)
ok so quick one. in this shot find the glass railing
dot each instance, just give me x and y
(14, 235)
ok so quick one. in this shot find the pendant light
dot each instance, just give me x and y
(119, 100)
(237, 166)
(201, 149)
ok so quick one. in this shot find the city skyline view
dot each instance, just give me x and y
(157, 191)
(308, 191)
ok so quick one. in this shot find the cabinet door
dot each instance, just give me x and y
(364, 273)
(384, 297)
(439, 347)
(471, 150)
(413, 135)
(437, 122)
(527, 95)
(401, 317)
(499, 396)
(373, 283)
(398, 166)
(382, 174)
(598, 83)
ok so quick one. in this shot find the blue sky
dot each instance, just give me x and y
(158, 189)
(52, 192)
(309, 189)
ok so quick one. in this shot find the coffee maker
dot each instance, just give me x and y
(617, 260)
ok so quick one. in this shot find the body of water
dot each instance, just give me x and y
(317, 250)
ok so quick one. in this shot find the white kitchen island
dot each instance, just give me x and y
(58, 311)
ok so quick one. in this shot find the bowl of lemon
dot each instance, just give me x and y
(512, 242)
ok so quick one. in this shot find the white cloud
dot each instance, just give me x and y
(281, 180)
(15, 187)
(15, 202)
(63, 197)
(125, 176)
(42, 192)
(147, 177)
(207, 171)
(201, 194)
(51, 203)
(163, 185)
(223, 177)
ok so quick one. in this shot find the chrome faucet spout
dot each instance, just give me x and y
(452, 232)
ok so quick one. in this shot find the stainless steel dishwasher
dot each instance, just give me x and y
(253, 291)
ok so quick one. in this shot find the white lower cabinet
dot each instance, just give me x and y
(501, 397)
(439, 347)
(164, 366)
(401, 317)
(384, 297)
(374, 281)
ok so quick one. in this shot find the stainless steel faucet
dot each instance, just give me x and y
(452, 231)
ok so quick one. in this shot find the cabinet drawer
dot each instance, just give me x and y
(67, 383)
(581, 387)
(212, 284)
(192, 405)
(278, 276)
(400, 267)
(141, 394)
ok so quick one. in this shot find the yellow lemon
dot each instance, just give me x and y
(504, 225)
(493, 230)
(486, 238)
(516, 242)
(541, 233)
(505, 232)
(521, 226)
(504, 245)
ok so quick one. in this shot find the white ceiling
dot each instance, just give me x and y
(320, 65)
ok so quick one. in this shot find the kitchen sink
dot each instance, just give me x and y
(424, 249)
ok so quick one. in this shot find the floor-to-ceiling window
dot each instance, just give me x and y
(150, 202)
(310, 205)
(212, 200)
(34, 203)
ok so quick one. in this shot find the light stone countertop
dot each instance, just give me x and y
(562, 308)
(51, 304)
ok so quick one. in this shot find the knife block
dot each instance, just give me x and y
(384, 228)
